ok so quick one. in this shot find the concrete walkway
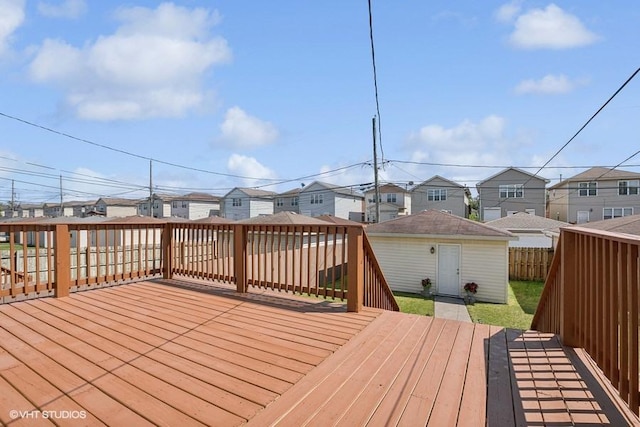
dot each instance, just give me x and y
(451, 308)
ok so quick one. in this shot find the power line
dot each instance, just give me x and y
(375, 80)
(128, 153)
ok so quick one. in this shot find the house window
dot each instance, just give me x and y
(175, 204)
(586, 189)
(279, 201)
(627, 188)
(184, 205)
(236, 202)
(391, 198)
(295, 201)
(608, 213)
(436, 194)
(511, 191)
(316, 199)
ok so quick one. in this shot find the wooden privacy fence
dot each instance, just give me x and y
(590, 299)
(329, 261)
(529, 263)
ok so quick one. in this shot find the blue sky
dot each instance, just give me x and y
(275, 94)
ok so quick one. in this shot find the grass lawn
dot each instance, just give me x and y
(414, 303)
(517, 313)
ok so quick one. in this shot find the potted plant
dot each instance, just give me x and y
(426, 287)
(470, 289)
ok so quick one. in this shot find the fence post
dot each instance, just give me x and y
(167, 253)
(355, 269)
(568, 291)
(239, 257)
(62, 252)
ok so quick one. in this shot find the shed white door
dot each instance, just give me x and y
(449, 270)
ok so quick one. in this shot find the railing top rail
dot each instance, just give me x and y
(611, 235)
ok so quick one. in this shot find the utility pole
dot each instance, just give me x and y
(13, 197)
(150, 188)
(61, 199)
(375, 171)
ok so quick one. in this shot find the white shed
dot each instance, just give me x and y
(448, 249)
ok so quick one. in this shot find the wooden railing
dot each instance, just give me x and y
(590, 299)
(331, 261)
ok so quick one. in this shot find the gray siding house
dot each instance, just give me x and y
(441, 194)
(395, 201)
(244, 203)
(595, 194)
(509, 191)
(319, 198)
(289, 201)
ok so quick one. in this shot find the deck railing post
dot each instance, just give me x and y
(62, 252)
(239, 257)
(355, 269)
(167, 253)
(568, 291)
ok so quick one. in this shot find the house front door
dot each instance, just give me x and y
(449, 270)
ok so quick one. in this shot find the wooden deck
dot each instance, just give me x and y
(184, 352)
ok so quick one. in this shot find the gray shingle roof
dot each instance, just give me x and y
(284, 218)
(525, 221)
(626, 224)
(437, 223)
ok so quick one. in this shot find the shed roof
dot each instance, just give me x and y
(214, 219)
(437, 223)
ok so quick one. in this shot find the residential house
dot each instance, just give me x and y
(509, 191)
(160, 207)
(394, 201)
(54, 210)
(448, 249)
(289, 201)
(30, 210)
(320, 198)
(532, 231)
(595, 194)
(243, 203)
(441, 194)
(195, 206)
(115, 207)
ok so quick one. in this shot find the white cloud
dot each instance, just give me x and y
(152, 66)
(242, 130)
(11, 17)
(548, 85)
(251, 168)
(483, 143)
(507, 12)
(550, 28)
(70, 9)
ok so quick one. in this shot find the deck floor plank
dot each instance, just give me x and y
(191, 352)
(390, 410)
(474, 394)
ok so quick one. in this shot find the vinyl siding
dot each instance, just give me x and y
(456, 202)
(345, 205)
(405, 261)
(534, 193)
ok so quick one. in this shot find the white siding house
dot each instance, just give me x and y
(448, 249)
(195, 206)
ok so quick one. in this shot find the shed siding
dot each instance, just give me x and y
(405, 261)
(487, 264)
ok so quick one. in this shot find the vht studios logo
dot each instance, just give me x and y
(59, 415)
